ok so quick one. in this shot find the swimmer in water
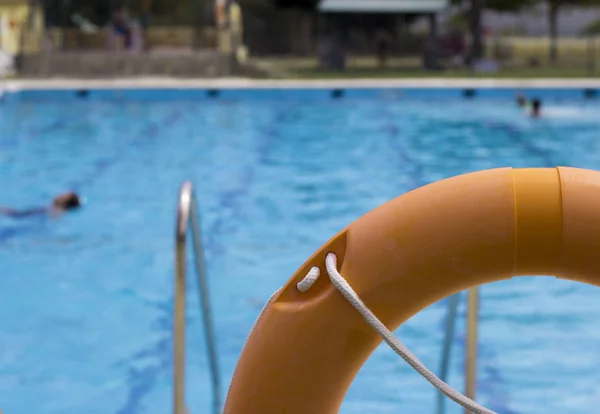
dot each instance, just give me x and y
(521, 100)
(62, 203)
(536, 108)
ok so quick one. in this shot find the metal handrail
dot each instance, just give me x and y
(447, 348)
(470, 349)
(187, 212)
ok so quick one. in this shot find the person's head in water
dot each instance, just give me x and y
(521, 100)
(66, 201)
(536, 108)
(61, 203)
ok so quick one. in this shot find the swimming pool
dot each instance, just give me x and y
(87, 299)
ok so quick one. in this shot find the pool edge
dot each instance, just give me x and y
(15, 85)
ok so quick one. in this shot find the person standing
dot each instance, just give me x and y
(383, 43)
(121, 26)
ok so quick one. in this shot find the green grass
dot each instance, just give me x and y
(365, 67)
(357, 73)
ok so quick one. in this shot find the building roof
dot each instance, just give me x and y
(14, 2)
(383, 6)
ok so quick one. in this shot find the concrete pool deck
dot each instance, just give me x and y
(243, 83)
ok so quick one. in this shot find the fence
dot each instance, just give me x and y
(79, 38)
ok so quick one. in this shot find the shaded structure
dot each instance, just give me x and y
(381, 21)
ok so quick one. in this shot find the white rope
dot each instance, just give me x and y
(309, 279)
(346, 290)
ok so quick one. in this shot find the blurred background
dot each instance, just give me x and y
(300, 38)
(279, 167)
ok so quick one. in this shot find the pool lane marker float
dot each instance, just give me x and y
(213, 93)
(306, 347)
(590, 93)
(469, 93)
(337, 93)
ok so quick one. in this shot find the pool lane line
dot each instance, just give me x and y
(142, 380)
(232, 199)
(416, 170)
(12, 232)
(147, 135)
(34, 132)
(55, 125)
(515, 135)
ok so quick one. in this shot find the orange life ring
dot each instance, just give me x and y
(306, 348)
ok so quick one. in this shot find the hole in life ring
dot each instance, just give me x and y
(213, 93)
(337, 93)
(590, 93)
(82, 93)
(469, 93)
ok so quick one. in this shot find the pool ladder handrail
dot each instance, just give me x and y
(470, 349)
(187, 213)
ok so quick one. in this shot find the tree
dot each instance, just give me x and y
(475, 10)
(554, 8)
(592, 29)
(476, 29)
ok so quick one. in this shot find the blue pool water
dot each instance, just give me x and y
(87, 299)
